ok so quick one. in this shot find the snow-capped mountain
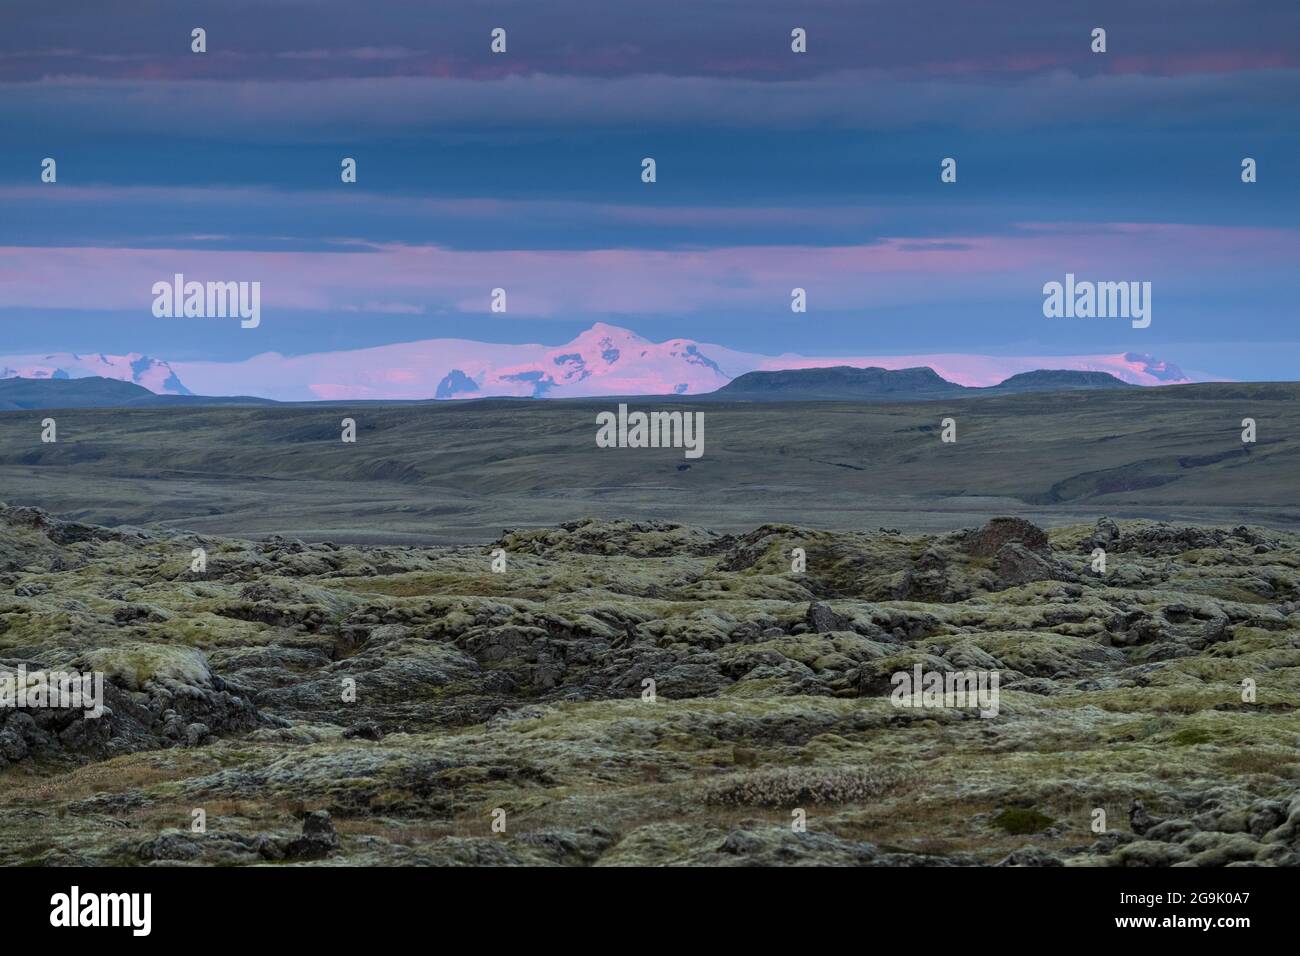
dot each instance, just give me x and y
(603, 360)
(142, 370)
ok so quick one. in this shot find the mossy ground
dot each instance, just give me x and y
(525, 692)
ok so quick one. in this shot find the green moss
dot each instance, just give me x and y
(1190, 736)
(1021, 821)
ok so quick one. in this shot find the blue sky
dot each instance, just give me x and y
(775, 169)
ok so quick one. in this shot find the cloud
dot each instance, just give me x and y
(322, 39)
(545, 283)
(385, 308)
(368, 53)
(861, 100)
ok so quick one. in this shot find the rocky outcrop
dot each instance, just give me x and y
(1000, 532)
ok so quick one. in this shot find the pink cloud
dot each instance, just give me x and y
(406, 279)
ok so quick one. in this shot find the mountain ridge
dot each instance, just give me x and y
(22, 394)
(844, 382)
(834, 383)
(603, 360)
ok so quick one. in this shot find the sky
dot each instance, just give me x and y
(775, 170)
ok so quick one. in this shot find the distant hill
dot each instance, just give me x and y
(1055, 380)
(17, 394)
(167, 401)
(846, 383)
(95, 392)
(839, 382)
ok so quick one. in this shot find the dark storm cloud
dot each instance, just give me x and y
(288, 39)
